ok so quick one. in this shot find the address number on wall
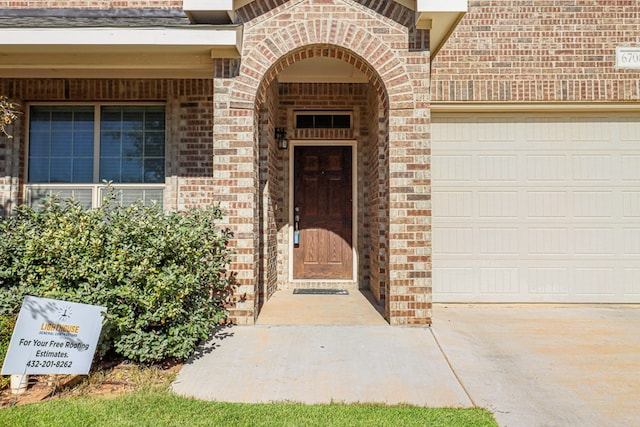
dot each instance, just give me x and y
(628, 57)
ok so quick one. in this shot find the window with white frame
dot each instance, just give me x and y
(73, 149)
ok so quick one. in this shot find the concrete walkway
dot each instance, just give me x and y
(324, 364)
(531, 365)
(340, 350)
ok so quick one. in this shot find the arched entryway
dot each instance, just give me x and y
(324, 199)
(388, 136)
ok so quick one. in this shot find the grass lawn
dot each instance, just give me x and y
(160, 408)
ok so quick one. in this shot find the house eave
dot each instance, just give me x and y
(129, 52)
(439, 16)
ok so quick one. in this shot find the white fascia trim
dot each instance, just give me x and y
(213, 5)
(207, 5)
(212, 36)
(507, 107)
(441, 6)
(440, 17)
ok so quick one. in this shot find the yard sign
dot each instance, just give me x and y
(53, 337)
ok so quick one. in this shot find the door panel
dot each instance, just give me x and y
(323, 197)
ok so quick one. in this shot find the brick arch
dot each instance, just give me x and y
(329, 38)
(325, 51)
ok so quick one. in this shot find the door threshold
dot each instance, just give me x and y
(324, 284)
(316, 291)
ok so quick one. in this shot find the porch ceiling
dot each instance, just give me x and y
(160, 52)
(322, 70)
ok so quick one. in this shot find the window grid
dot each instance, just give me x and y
(323, 120)
(151, 149)
(59, 148)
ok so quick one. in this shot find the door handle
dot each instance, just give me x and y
(296, 226)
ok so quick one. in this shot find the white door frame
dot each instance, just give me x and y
(354, 202)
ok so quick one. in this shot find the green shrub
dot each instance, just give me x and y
(160, 275)
(6, 330)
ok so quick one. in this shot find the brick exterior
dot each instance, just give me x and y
(376, 222)
(394, 57)
(189, 110)
(539, 51)
(220, 131)
(221, 144)
(272, 191)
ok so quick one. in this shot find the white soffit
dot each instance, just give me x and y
(325, 70)
(212, 11)
(157, 51)
(200, 36)
(441, 17)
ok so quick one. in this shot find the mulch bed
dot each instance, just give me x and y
(114, 381)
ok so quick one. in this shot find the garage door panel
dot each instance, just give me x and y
(547, 168)
(631, 237)
(452, 168)
(545, 129)
(631, 204)
(594, 240)
(548, 241)
(454, 204)
(632, 281)
(593, 204)
(499, 281)
(549, 281)
(593, 281)
(592, 167)
(456, 281)
(547, 204)
(454, 240)
(628, 130)
(494, 129)
(549, 211)
(494, 167)
(497, 204)
(631, 168)
(593, 129)
(498, 240)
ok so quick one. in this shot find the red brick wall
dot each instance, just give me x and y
(378, 39)
(189, 129)
(376, 202)
(542, 50)
(272, 185)
(194, 149)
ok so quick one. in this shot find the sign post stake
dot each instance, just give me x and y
(19, 383)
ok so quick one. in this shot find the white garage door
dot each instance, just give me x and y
(536, 207)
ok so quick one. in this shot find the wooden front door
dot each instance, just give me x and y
(322, 208)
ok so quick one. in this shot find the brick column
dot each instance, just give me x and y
(235, 169)
(10, 177)
(410, 197)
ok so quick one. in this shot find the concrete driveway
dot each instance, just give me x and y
(543, 365)
(531, 365)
